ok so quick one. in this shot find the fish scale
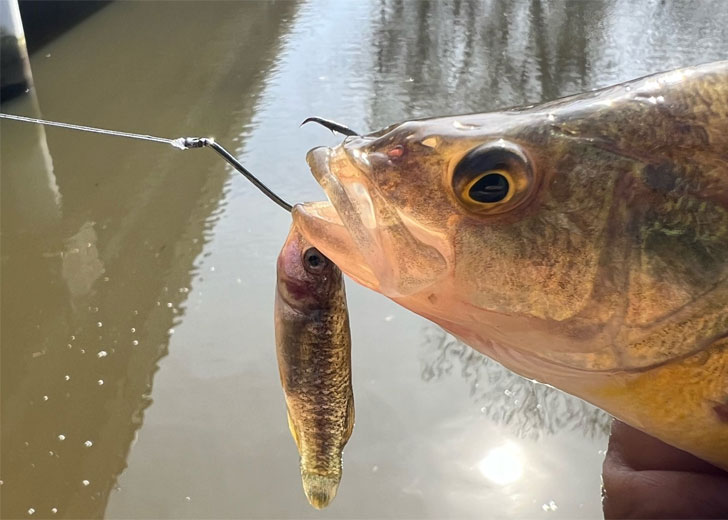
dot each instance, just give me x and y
(313, 345)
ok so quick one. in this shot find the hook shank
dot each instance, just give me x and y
(199, 142)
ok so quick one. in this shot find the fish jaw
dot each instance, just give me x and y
(364, 233)
(320, 221)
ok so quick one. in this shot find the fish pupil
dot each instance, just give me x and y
(314, 260)
(490, 188)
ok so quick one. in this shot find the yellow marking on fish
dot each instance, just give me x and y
(676, 402)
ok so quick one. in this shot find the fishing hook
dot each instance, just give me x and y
(331, 125)
(200, 142)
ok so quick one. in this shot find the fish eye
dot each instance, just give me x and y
(489, 187)
(493, 178)
(314, 261)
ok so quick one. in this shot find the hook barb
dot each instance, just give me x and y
(331, 125)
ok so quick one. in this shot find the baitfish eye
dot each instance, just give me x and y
(314, 261)
(493, 178)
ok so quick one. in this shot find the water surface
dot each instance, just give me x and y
(138, 367)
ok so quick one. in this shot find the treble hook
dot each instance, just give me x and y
(331, 125)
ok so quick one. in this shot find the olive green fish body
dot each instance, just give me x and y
(582, 242)
(314, 359)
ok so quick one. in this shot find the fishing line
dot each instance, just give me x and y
(181, 143)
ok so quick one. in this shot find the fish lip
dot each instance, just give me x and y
(318, 162)
(317, 220)
(371, 241)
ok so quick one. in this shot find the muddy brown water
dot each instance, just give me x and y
(138, 367)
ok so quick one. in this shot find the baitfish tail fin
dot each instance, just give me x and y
(320, 489)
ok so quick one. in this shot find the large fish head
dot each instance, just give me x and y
(551, 230)
(306, 277)
(456, 216)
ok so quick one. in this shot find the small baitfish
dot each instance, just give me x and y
(313, 345)
(582, 242)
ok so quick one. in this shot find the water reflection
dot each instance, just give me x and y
(80, 265)
(503, 464)
(480, 56)
(93, 287)
(529, 408)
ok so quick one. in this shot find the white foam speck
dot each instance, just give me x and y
(551, 506)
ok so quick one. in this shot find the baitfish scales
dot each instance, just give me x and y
(314, 360)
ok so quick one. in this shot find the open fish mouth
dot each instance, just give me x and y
(362, 233)
(335, 227)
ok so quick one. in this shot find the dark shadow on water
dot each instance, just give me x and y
(47, 19)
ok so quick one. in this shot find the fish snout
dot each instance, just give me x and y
(318, 161)
(359, 150)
